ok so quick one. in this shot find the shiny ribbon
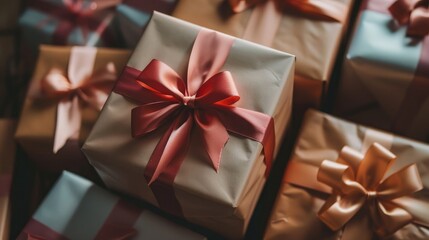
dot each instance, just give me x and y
(358, 182)
(79, 86)
(329, 10)
(76, 13)
(202, 103)
(414, 13)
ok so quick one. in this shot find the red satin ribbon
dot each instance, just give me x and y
(322, 9)
(76, 13)
(202, 103)
(414, 13)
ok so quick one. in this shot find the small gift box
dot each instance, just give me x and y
(386, 73)
(133, 15)
(183, 138)
(7, 155)
(67, 91)
(311, 30)
(77, 209)
(345, 181)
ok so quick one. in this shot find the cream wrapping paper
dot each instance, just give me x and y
(223, 201)
(294, 215)
(37, 124)
(7, 157)
(82, 209)
(315, 43)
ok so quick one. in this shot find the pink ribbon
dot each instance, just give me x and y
(76, 13)
(79, 86)
(203, 103)
(414, 13)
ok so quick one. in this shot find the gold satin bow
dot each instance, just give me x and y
(359, 183)
(322, 9)
(415, 13)
(92, 90)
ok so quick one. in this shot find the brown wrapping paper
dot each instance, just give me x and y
(294, 215)
(315, 43)
(7, 155)
(36, 127)
(223, 201)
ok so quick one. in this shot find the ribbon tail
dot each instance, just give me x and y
(254, 125)
(68, 122)
(416, 207)
(170, 151)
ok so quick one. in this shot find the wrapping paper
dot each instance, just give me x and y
(221, 201)
(133, 16)
(7, 155)
(379, 73)
(294, 215)
(315, 43)
(83, 211)
(37, 126)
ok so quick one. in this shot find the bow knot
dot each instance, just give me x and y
(414, 13)
(189, 101)
(360, 180)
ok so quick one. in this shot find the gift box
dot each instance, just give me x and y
(78, 209)
(7, 153)
(346, 181)
(67, 91)
(311, 30)
(133, 15)
(195, 117)
(385, 73)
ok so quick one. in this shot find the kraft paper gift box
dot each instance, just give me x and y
(386, 73)
(7, 155)
(313, 37)
(66, 93)
(219, 196)
(346, 181)
(78, 209)
(133, 16)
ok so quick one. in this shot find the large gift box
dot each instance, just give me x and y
(194, 122)
(311, 30)
(386, 72)
(67, 91)
(7, 155)
(76, 209)
(346, 181)
(133, 16)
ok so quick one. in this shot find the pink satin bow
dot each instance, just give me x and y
(73, 91)
(203, 103)
(323, 9)
(73, 13)
(359, 183)
(415, 13)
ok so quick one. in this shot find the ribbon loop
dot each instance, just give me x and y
(366, 187)
(203, 102)
(414, 13)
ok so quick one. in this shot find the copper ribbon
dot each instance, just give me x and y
(79, 86)
(329, 10)
(360, 192)
(414, 13)
(118, 226)
(202, 103)
(76, 13)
